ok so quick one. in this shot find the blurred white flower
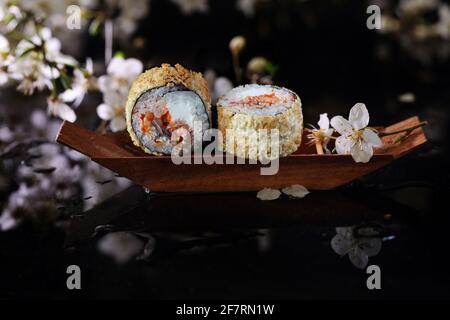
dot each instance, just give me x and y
(56, 107)
(443, 25)
(10, 15)
(113, 110)
(407, 97)
(218, 86)
(31, 68)
(39, 119)
(127, 17)
(411, 7)
(268, 194)
(32, 73)
(82, 82)
(248, 7)
(360, 248)
(296, 191)
(115, 86)
(5, 60)
(188, 7)
(121, 246)
(322, 135)
(6, 135)
(355, 138)
(222, 86)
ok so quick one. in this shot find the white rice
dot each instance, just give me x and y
(255, 99)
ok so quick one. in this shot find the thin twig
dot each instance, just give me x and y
(421, 124)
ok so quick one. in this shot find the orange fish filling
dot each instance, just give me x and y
(263, 99)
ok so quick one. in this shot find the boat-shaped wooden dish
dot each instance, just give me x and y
(116, 152)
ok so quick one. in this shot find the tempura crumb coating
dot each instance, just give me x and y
(289, 123)
(166, 75)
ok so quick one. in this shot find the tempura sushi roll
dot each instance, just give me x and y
(254, 107)
(162, 106)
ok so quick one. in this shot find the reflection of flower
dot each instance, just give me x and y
(115, 86)
(188, 7)
(121, 246)
(359, 248)
(322, 135)
(355, 138)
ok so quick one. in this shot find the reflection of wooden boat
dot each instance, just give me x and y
(159, 173)
(135, 210)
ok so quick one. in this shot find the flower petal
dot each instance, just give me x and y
(296, 191)
(268, 194)
(372, 138)
(105, 112)
(134, 67)
(324, 122)
(362, 152)
(344, 145)
(118, 124)
(359, 116)
(66, 113)
(342, 125)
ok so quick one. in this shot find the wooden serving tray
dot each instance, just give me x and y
(116, 152)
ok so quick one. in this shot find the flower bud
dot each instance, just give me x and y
(257, 65)
(237, 44)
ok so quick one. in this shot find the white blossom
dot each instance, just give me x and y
(115, 86)
(323, 134)
(189, 7)
(82, 82)
(58, 108)
(355, 138)
(5, 60)
(248, 7)
(360, 248)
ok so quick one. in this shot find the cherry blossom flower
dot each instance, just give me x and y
(5, 59)
(356, 139)
(295, 191)
(82, 82)
(268, 194)
(322, 135)
(360, 248)
(115, 86)
(189, 7)
(248, 7)
(56, 107)
(37, 62)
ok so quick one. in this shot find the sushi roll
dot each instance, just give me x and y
(162, 106)
(253, 107)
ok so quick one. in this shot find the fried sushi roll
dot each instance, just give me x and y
(163, 105)
(253, 107)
